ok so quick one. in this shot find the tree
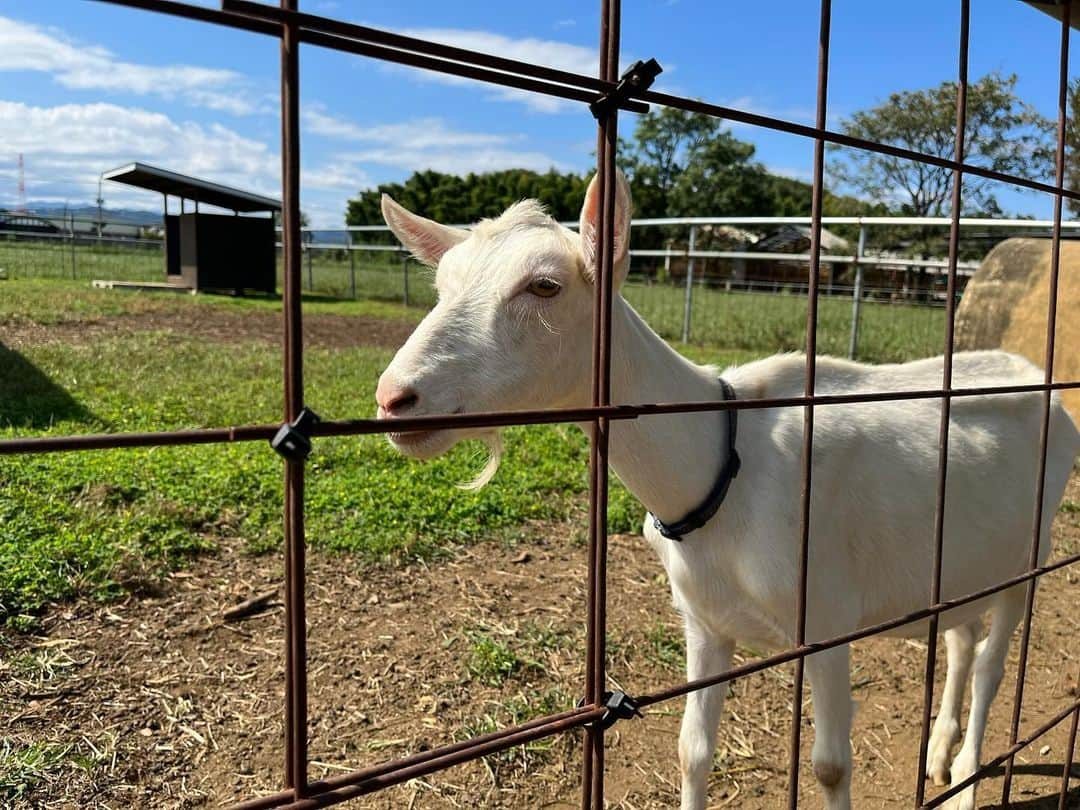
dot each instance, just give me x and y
(1003, 134)
(453, 199)
(1072, 144)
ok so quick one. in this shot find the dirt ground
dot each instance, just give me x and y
(159, 702)
(168, 705)
(213, 323)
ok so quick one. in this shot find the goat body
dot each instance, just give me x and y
(512, 330)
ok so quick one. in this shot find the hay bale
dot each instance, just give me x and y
(1005, 306)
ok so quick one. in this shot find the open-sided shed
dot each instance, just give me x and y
(205, 251)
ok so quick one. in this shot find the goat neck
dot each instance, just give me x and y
(669, 462)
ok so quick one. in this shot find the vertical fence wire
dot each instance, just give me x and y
(1048, 377)
(295, 618)
(808, 412)
(290, 32)
(946, 401)
(592, 780)
(1070, 749)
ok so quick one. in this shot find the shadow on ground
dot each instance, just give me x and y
(1050, 801)
(29, 398)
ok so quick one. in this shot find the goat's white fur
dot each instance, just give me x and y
(489, 344)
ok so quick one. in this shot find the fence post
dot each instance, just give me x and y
(310, 275)
(856, 298)
(405, 276)
(352, 270)
(688, 307)
(72, 227)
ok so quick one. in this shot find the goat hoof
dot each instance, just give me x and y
(963, 801)
(940, 777)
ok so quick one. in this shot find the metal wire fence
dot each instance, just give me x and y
(875, 306)
(606, 95)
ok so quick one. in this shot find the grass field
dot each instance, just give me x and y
(751, 321)
(102, 523)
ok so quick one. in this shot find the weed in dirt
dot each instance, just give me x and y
(666, 645)
(490, 660)
(23, 767)
(513, 711)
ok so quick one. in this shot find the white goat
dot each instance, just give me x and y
(512, 329)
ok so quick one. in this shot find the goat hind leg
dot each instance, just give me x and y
(830, 685)
(960, 648)
(989, 668)
(705, 656)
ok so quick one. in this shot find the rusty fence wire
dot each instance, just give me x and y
(605, 95)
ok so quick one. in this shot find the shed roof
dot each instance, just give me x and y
(1055, 8)
(143, 175)
(789, 236)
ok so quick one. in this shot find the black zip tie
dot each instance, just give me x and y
(636, 79)
(617, 706)
(293, 439)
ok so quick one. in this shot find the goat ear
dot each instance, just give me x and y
(590, 228)
(427, 239)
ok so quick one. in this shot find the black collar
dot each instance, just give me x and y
(728, 470)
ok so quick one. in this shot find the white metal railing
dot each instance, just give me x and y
(859, 260)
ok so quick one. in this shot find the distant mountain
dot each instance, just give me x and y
(133, 216)
(329, 237)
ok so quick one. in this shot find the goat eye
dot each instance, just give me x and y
(544, 287)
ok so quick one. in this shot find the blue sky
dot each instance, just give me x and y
(86, 86)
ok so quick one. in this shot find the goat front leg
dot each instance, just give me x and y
(706, 655)
(960, 646)
(990, 655)
(830, 688)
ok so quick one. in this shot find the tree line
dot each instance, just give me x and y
(686, 164)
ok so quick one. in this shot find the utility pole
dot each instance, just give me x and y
(21, 205)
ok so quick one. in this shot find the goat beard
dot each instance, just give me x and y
(493, 440)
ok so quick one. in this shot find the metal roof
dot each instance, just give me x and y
(143, 175)
(1055, 9)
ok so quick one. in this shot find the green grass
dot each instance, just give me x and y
(104, 522)
(770, 322)
(108, 522)
(734, 320)
(57, 259)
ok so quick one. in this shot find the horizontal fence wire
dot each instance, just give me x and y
(292, 28)
(366, 427)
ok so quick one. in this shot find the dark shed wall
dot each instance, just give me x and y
(220, 252)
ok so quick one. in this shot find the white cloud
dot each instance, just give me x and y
(419, 133)
(426, 143)
(551, 53)
(454, 162)
(68, 146)
(800, 115)
(793, 173)
(79, 66)
(337, 177)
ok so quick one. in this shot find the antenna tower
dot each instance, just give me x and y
(22, 186)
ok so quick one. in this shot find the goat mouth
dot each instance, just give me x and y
(420, 444)
(411, 438)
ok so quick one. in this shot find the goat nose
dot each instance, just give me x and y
(394, 398)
